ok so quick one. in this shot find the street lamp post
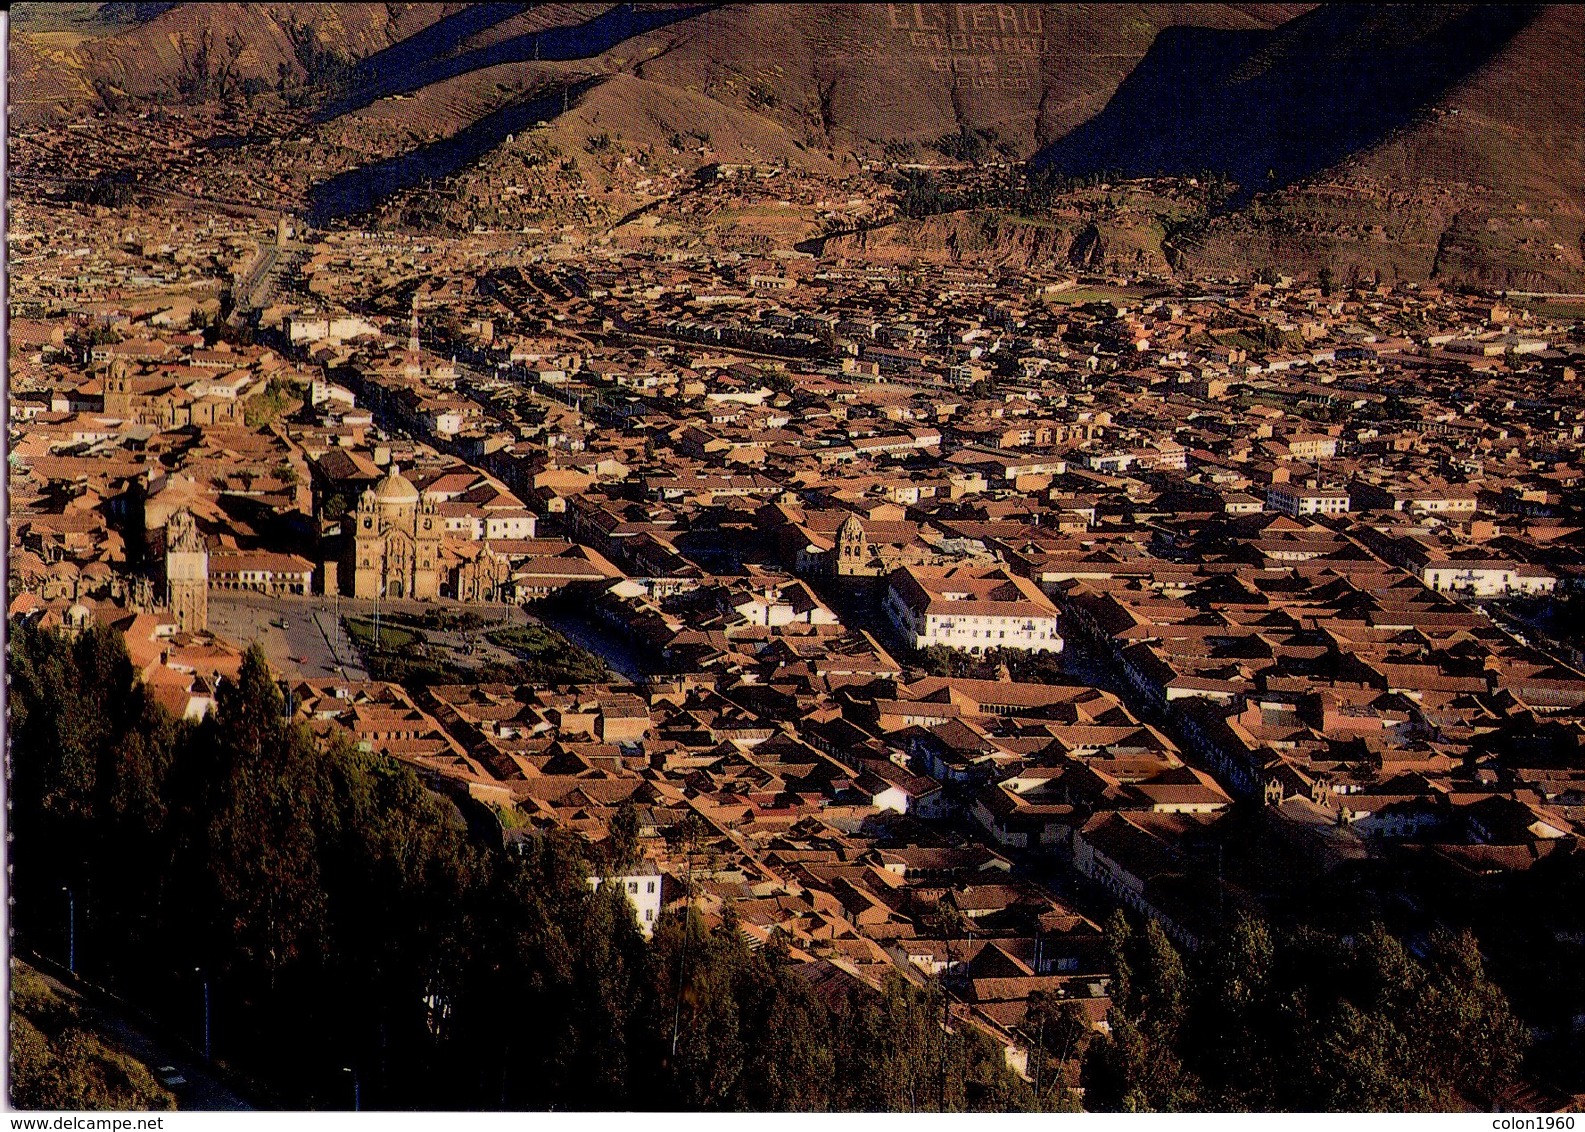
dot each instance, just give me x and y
(199, 971)
(71, 930)
(357, 1099)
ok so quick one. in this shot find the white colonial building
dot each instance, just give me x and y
(643, 887)
(971, 608)
(1296, 500)
(1486, 577)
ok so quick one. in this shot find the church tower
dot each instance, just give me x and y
(118, 390)
(427, 526)
(187, 573)
(414, 362)
(367, 548)
(852, 547)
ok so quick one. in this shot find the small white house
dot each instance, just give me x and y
(644, 892)
(512, 523)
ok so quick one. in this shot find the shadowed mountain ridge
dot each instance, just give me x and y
(360, 190)
(438, 39)
(412, 71)
(1268, 108)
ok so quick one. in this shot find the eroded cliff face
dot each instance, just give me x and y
(1457, 234)
(1449, 233)
(998, 239)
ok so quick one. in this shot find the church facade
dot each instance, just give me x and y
(164, 403)
(394, 548)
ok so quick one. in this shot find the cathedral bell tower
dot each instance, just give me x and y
(852, 546)
(187, 573)
(118, 390)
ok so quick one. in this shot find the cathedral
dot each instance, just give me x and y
(394, 550)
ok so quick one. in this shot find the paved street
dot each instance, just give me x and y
(311, 645)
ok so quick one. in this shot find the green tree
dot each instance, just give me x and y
(1161, 986)
(1363, 1063)
(1117, 936)
(1127, 1072)
(1464, 1027)
(263, 808)
(1059, 1035)
(1238, 1023)
(622, 845)
(791, 1063)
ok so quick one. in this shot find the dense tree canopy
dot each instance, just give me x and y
(1300, 1020)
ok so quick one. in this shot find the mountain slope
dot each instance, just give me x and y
(1485, 185)
(1398, 142)
(1517, 124)
(839, 74)
(1269, 108)
(381, 78)
(193, 47)
(858, 75)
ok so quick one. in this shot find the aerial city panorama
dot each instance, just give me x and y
(796, 557)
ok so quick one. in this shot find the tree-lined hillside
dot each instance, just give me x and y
(341, 917)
